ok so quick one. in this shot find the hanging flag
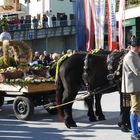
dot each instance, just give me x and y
(99, 22)
(111, 6)
(78, 7)
(121, 18)
(89, 24)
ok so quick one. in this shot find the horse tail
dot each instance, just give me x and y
(59, 95)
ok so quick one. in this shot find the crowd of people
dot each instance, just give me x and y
(48, 59)
(28, 22)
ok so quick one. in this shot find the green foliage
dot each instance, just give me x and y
(12, 62)
(1, 62)
(4, 24)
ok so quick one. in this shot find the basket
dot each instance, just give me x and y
(11, 75)
(40, 72)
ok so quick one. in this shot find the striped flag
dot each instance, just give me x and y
(89, 23)
(99, 22)
(121, 18)
(90, 20)
(78, 7)
(111, 10)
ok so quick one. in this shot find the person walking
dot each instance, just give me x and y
(131, 84)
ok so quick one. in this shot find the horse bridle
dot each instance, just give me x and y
(116, 72)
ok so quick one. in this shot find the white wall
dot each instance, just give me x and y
(130, 13)
(47, 4)
(35, 8)
(24, 8)
(62, 7)
(1, 2)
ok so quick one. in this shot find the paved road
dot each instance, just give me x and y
(47, 127)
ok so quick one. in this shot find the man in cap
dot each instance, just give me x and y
(131, 84)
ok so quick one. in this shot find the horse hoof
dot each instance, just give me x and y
(74, 125)
(119, 124)
(88, 114)
(70, 124)
(67, 125)
(101, 118)
(92, 119)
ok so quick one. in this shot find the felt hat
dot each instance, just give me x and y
(135, 42)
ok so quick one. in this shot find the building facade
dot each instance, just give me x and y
(56, 39)
(132, 18)
(37, 8)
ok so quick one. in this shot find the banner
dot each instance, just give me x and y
(89, 24)
(121, 18)
(78, 7)
(111, 6)
(99, 22)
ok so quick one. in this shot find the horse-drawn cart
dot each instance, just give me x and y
(28, 97)
(29, 85)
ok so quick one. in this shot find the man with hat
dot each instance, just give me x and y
(131, 84)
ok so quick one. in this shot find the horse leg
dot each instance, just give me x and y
(89, 101)
(98, 107)
(69, 122)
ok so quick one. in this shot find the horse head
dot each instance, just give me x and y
(114, 64)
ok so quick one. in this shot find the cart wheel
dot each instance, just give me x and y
(23, 108)
(1, 100)
(51, 111)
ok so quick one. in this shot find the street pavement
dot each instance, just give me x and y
(46, 127)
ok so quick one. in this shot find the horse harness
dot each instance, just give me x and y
(88, 93)
(110, 77)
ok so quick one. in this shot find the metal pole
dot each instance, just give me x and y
(124, 96)
(124, 26)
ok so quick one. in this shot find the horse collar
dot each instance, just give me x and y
(85, 73)
(86, 62)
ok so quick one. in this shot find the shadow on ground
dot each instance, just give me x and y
(45, 126)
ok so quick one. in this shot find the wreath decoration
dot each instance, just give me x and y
(15, 53)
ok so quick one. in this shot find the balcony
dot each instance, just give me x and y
(10, 8)
(29, 31)
(129, 4)
(41, 33)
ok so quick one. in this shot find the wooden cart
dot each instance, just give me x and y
(28, 97)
